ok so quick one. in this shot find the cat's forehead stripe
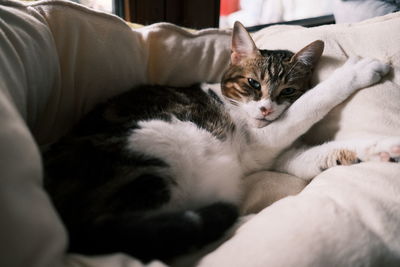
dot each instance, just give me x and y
(236, 86)
(273, 65)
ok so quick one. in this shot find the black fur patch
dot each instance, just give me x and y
(214, 96)
(161, 236)
(145, 192)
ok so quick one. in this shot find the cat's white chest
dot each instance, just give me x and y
(206, 169)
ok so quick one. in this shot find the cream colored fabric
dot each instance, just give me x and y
(59, 59)
(100, 56)
(347, 216)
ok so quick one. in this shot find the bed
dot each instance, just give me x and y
(58, 59)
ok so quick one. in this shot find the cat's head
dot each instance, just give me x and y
(264, 83)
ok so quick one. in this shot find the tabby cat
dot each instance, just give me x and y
(156, 172)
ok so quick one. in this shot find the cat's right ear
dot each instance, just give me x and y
(310, 54)
(243, 45)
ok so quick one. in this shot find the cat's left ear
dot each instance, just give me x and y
(243, 45)
(310, 54)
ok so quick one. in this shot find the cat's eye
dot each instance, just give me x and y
(288, 91)
(253, 83)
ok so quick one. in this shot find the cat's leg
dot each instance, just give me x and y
(356, 73)
(307, 162)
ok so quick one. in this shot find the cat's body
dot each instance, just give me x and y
(157, 171)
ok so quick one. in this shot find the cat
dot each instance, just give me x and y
(157, 171)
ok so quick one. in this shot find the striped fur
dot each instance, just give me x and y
(280, 75)
(274, 70)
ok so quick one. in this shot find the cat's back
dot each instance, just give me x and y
(149, 159)
(155, 102)
(182, 132)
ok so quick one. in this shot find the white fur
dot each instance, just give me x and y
(207, 170)
(307, 162)
(252, 110)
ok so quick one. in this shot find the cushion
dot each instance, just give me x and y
(59, 59)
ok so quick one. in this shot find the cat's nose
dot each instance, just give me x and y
(265, 111)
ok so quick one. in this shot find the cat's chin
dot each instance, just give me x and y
(259, 123)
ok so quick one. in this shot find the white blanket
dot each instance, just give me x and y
(59, 59)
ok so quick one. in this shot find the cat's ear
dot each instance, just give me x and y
(310, 54)
(243, 45)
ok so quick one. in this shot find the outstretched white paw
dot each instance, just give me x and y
(364, 72)
(386, 150)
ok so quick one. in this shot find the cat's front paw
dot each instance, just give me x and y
(385, 150)
(340, 157)
(363, 72)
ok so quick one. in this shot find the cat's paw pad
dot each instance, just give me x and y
(341, 157)
(391, 155)
(365, 71)
(386, 150)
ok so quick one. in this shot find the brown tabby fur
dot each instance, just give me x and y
(275, 70)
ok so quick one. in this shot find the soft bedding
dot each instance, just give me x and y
(58, 59)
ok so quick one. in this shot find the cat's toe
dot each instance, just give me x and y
(395, 150)
(383, 68)
(386, 150)
(384, 156)
(340, 157)
(365, 71)
(395, 153)
(346, 157)
(392, 154)
(378, 67)
(374, 69)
